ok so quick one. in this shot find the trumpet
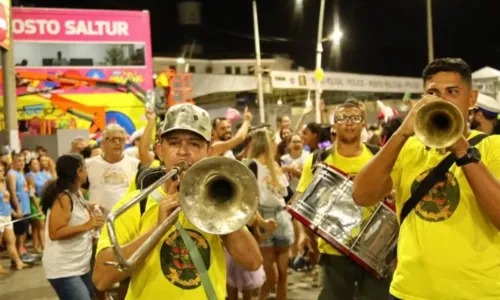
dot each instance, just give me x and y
(439, 124)
(218, 195)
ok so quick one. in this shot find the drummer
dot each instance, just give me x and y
(340, 274)
(449, 244)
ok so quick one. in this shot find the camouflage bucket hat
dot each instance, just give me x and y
(188, 117)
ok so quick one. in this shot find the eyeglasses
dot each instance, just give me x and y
(116, 139)
(342, 119)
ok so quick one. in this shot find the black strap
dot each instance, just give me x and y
(144, 178)
(432, 178)
(253, 167)
(70, 199)
(373, 148)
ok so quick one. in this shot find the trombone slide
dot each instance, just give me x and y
(123, 263)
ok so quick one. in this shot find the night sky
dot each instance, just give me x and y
(380, 37)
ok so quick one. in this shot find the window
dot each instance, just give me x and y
(209, 69)
(43, 54)
(192, 69)
(229, 70)
(237, 70)
(251, 70)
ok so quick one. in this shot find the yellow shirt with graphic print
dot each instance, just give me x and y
(348, 165)
(132, 187)
(448, 249)
(168, 269)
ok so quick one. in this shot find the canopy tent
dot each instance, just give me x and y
(486, 73)
(487, 81)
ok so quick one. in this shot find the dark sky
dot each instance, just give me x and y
(380, 37)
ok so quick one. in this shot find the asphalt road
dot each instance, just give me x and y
(30, 284)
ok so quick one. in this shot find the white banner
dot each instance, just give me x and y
(334, 81)
(290, 80)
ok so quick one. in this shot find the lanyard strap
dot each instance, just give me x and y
(198, 262)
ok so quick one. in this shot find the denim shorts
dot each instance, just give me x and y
(74, 288)
(284, 235)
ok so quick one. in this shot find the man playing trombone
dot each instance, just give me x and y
(449, 242)
(167, 269)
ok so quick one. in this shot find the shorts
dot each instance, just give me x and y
(35, 211)
(22, 227)
(283, 236)
(5, 220)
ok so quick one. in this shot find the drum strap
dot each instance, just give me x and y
(432, 178)
(198, 262)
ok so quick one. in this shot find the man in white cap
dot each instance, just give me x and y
(485, 116)
(168, 269)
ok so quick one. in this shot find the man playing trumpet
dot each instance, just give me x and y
(168, 270)
(449, 244)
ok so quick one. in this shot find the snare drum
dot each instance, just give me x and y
(366, 235)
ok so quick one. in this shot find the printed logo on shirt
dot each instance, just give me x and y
(176, 263)
(114, 176)
(441, 201)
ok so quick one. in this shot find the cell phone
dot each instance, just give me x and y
(150, 100)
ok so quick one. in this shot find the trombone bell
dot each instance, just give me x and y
(219, 195)
(439, 124)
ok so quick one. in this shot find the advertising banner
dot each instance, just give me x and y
(39, 24)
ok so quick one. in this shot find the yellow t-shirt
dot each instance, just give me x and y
(132, 187)
(447, 247)
(350, 166)
(168, 269)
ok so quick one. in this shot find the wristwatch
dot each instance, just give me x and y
(473, 156)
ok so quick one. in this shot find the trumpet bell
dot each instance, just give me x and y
(219, 195)
(439, 124)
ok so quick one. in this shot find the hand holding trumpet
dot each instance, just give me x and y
(438, 124)
(408, 125)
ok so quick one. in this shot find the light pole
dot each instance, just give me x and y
(319, 52)
(258, 67)
(430, 38)
(9, 88)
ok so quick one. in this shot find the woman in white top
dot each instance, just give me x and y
(273, 185)
(68, 249)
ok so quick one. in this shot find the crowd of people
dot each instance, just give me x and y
(448, 249)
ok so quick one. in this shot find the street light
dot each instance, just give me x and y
(430, 37)
(336, 36)
(319, 52)
(258, 67)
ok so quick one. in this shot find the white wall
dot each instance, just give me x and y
(35, 52)
(161, 64)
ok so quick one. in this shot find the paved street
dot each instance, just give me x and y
(30, 284)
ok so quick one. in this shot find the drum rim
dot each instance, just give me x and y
(338, 246)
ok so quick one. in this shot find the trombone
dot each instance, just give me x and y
(218, 195)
